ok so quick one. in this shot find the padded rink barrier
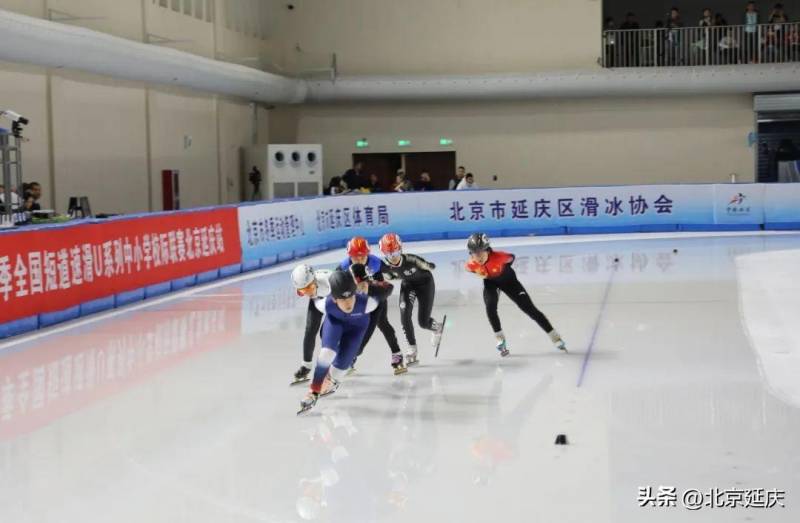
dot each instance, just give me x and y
(229, 240)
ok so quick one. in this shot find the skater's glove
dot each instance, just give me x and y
(477, 268)
(359, 272)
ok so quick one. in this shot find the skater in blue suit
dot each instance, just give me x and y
(347, 317)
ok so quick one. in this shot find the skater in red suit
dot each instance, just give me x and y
(498, 275)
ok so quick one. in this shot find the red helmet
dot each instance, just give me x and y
(390, 244)
(357, 246)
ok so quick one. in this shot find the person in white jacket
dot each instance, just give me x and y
(468, 182)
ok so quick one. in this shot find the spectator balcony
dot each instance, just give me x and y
(698, 46)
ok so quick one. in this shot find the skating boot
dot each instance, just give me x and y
(308, 402)
(555, 337)
(329, 386)
(503, 347)
(411, 356)
(302, 375)
(397, 364)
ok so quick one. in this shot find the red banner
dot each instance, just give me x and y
(52, 269)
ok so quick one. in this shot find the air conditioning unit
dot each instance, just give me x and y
(287, 170)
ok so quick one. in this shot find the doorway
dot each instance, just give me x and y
(441, 165)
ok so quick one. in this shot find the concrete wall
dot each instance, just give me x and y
(444, 36)
(553, 142)
(103, 138)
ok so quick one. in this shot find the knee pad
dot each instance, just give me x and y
(326, 356)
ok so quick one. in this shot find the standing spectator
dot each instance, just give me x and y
(255, 179)
(460, 172)
(658, 42)
(630, 42)
(719, 34)
(793, 43)
(701, 45)
(751, 33)
(674, 26)
(777, 18)
(467, 183)
(424, 182)
(610, 42)
(353, 177)
(374, 184)
(707, 20)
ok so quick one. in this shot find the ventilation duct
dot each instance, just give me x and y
(49, 44)
(41, 42)
(665, 81)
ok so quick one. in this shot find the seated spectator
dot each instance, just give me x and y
(14, 197)
(353, 177)
(460, 172)
(728, 47)
(401, 183)
(334, 187)
(32, 192)
(374, 185)
(467, 183)
(424, 182)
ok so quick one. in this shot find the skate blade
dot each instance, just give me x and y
(326, 393)
(298, 382)
(441, 333)
(505, 353)
(412, 363)
(400, 370)
(303, 410)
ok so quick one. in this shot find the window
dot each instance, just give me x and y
(187, 7)
(198, 9)
(176, 6)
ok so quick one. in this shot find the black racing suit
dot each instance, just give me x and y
(417, 284)
(502, 277)
(379, 318)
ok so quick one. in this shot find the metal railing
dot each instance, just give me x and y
(696, 46)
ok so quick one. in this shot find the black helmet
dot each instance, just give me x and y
(342, 285)
(477, 242)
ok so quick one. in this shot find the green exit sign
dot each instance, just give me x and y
(403, 143)
(445, 141)
(362, 143)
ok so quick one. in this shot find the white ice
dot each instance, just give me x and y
(179, 410)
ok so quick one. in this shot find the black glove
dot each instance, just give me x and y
(431, 265)
(359, 272)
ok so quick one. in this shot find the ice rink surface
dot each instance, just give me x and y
(683, 373)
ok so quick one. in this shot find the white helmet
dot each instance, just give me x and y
(302, 276)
